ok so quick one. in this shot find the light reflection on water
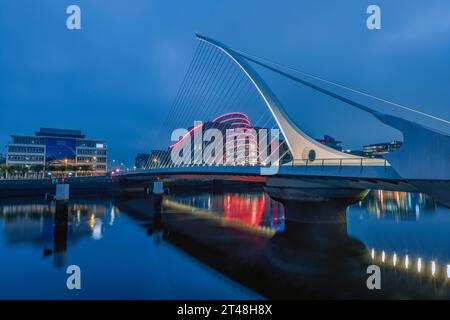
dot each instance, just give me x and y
(407, 232)
(403, 230)
(398, 205)
(252, 209)
(112, 248)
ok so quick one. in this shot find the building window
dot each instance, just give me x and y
(86, 144)
(86, 151)
(28, 140)
(23, 149)
(24, 158)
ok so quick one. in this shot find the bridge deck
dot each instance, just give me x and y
(345, 168)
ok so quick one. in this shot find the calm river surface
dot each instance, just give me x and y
(232, 245)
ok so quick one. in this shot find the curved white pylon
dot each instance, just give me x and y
(299, 143)
(424, 155)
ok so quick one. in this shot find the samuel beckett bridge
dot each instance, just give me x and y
(226, 123)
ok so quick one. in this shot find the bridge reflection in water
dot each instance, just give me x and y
(252, 210)
(332, 252)
(242, 235)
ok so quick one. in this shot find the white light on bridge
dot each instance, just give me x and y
(419, 264)
(433, 268)
(383, 256)
(394, 259)
(373, 254)
(406, 262)
(448, 271)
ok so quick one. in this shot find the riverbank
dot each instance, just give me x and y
(39, 187)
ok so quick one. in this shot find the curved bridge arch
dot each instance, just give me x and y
(425, 152)
(299, 143)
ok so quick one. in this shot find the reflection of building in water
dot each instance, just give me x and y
(400, 205)
(35, 223)
(31, 222)
(246, 209)
(249, 209)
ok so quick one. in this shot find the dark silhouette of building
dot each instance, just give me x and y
(154, 158)
(329, 141)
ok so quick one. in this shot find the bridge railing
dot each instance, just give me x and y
(338, 162)
(341, 162)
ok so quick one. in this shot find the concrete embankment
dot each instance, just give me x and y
(38, 188)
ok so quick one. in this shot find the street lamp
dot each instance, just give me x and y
(65, 165)
(94, 167)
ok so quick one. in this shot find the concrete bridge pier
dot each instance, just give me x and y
(303, 196)
(316, 244)
(60, 231)
(217, 186)
(62, 204)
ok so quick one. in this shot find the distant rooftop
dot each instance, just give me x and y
(45, 132)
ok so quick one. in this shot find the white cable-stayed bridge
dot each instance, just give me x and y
(222, 86)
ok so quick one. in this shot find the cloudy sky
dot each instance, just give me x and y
(117, 77)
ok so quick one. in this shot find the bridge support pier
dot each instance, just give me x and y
(217, 186)
(320, 248)
(302, 196)
(158, 187)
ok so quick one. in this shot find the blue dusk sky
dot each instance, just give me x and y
(117, 77)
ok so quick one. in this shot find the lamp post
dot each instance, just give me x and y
(65, 166)
(94, 166)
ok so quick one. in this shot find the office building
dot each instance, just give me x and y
(58, 150)
(378, 149)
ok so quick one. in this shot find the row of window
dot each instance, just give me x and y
(90, 144)
(91, 159)
(25, 158)
(28, 140)
(91, 152)
(41, 141)
(25, 149)
(86, 151)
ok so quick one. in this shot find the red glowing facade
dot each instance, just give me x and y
(242, 143)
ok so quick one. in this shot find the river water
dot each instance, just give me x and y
(231, 245)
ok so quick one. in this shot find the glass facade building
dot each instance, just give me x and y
(57, 148)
